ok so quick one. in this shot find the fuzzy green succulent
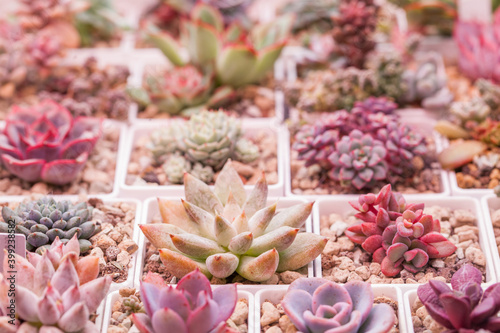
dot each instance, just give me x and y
(43, 220)
(226, 231)
(203, 144)
(388, 71)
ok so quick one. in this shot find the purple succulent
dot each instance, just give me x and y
(45, 143)
(314, 144)
(465, 308)
(318, 305)
(192, 307)
(375, 105)
(402, 144)
(358, 160)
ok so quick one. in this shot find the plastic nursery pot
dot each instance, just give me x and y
(107, 201)
(151, 211)
(340, 205)
(108, 127)
(141, 131)
(491, 203)
(418, 119)
(276, 293)
(113, 297)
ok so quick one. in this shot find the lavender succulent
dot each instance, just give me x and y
(191, 307)
(226, 231)
(465, 307)
(358, 160)
(43, 220)
(398, 234)
(315, 143)
(319, 305)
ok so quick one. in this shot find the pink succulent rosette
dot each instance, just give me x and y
(45, 143)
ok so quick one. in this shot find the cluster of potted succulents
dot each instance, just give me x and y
(202, 219)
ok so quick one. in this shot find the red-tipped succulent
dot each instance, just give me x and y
(46, 143)
(466, 308)
(398, 234)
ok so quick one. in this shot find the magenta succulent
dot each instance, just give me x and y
(465, 308)
(192, 307)
(376, 105)
(358, 160)
(398, 234)
(320, 306)
(45, 143)
(314, 144)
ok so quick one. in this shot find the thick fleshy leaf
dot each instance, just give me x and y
(279, 239)
(202, 218)
(61, 172)
(167, 320)
(44, 273)
(168, 45)
(204, 317)
(222, 265)
(48, 309)
(438, 245)
(261, 219)
(372, 243)
(294, 217)
(209, 15)
(224, 231)
(236, 64)
(428, 297)
(180, 265)
(159, 234)
(330, 294)
(458, 310)
(142, 322)
(396, 251)
(227, 182)
(257, 199)
(193, 284)
(226, 297)
(174, 299)
(389, 268)
(362, 297)
(203, 42)
(174, 212)
(199, 194)
(150, 295)
(94, 292)
(380, 320)
(265, 61)
(259, 268)
(196, 246)
(74, 319)
(29, 170)
(466, 274)
(460, 153)
(87, 269)
(295, 303)
(231, 210)
(304, 249)
(26, 304)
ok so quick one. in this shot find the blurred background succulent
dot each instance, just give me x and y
(45, 142)
(43, 220)
(464, 307)
(397, 234)
(353, 30)
(225, 58)
(225, 231)
(319, 305)
(315, 15)
(54, 299)
(191, 307)
(201, 145)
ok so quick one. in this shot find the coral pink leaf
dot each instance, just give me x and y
(167, 320)
(61, 172)
(383, 218)
(193, 284)
(389, 269)
(174, 299)
(370, 229)
(355, 234)
(204, 317)
(420, 259)
(150, 296)
(457, 308)
(142, 322)
(77, 147)
(379, 255)
(28, 170)
(372, 243)
(44, 151)
(226, 297)
(466, 274)
(396, 251)
(156, 279)
(403, 231)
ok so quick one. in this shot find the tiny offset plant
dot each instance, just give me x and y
(316, 305)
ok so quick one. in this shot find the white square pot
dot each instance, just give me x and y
(340, 205)
(113, 297)
(143, 129)
(107, 123)
(491, 202)
(135, 235)
(416, 118)
(276, 293)
(151, 210)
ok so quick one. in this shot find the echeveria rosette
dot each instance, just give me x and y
(191, 307)
(320, 306)
(377, 212)
(358, 160)
(44, 142)
(44, 220)
(465, 308)
(314, 143)
(226, 231)
(411, 241)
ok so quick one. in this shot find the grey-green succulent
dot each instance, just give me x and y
(43, 220)
(201, 145)
(475, 110)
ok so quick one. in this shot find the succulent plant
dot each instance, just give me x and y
(398, 234)
(99, 22)
(45, 143)
(314, 143)
(319, 305)
(388, 71)
(375, 105)
(488, 132)
(53, 299)
(207, 139)
(475, 110)
(358, 160)
(402, 145)
(460, 152)
(179, 89)
(478, 45)
(44, 220)
(312, 13)
(465, 307)
(226, 231)
(230, 57)
(487, 161)
(490, 93)
(191, 307)
(353, 30)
